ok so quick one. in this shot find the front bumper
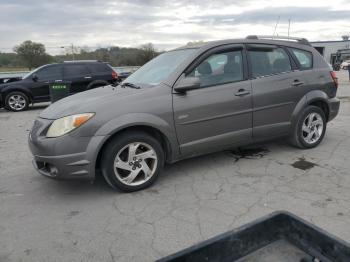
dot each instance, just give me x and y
(63, 167)
(68, 157)
(333, 104)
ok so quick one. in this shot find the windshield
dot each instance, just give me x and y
(159, 68)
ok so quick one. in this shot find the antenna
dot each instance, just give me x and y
(274, 31)
(288, 27)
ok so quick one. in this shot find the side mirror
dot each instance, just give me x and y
(35, 77)
(187, 83)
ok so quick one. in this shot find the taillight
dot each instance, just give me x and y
(114, 75)
(335, 78)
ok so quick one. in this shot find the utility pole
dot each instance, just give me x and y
(288, 27)
(72, 46)
(274, 31)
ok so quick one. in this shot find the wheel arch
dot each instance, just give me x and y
(322, 104)
(97, 82)
(8, 90)
(315, 98)
(150, 130)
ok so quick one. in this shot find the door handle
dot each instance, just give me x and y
(242, 92)
(87, 77)
(297, 82)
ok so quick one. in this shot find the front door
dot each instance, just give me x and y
(40, 86)
(219, 113)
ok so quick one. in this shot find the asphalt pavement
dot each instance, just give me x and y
(46, 220)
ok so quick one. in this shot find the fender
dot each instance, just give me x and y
(13, 88)
(139, 119)
(308, 98)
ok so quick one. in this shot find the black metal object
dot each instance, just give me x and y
(315, 243)
(59, 90)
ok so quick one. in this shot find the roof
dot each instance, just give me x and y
(210, 44)
(330, 41)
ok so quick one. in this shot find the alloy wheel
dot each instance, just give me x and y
(135, 164)
(312, 128)
(17, 102)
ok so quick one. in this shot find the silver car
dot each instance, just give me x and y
(186, 102)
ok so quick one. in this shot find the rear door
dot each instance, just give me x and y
(40, 87)
(277, 86)
(218, 114)
(79, 75)
(100, 71)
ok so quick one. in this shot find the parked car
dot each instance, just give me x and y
(345, 64)
(34, 87)
(188, 102)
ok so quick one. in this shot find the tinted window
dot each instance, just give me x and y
(99, 68)
(268, 62)
(220, 68)
(49, 73)
(75, 71)
(304, 58)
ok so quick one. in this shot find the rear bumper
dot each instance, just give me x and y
(333, 104)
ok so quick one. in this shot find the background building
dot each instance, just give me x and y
(331, 49)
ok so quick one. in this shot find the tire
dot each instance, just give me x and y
(128, 173)
(16, 101)
(97, 83)
(309, 134)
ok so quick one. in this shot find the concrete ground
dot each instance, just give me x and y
(46, 220)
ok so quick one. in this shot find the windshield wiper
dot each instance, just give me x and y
(130, 85)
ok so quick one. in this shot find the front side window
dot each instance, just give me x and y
(269, 62)
(220, 68)
(49, 73)
(304, 58)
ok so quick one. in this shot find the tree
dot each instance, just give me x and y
(33, 54)
(148, 52)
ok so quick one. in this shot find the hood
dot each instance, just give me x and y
(9, 81)
(93, 101)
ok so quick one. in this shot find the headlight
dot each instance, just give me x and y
(66, 124)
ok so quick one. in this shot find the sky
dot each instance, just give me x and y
(166, 24)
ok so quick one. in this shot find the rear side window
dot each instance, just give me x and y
(220, 68)
(50, 73)
(99, 68)
(75, 71)
(269, 62)
(304, 58)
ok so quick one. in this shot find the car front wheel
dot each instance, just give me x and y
(16, 101)
(310, 128)
(132, 161)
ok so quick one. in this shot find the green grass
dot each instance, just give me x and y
(13, 69)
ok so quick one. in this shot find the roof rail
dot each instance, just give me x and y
(81, 61)
(278, 37)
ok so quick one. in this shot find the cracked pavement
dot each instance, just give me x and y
(46, 220)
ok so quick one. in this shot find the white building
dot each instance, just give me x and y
(330, 49)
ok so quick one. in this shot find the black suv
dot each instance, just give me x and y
(34, 87)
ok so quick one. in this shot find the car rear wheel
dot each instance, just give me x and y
(310, 128)
(132, 161)
(96, 84)
(16, 101)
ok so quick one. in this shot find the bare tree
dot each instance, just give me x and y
(148, 52)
